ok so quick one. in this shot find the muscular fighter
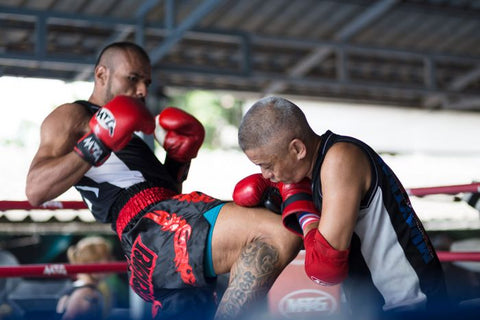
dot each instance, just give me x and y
(175, 243)
(357, 221)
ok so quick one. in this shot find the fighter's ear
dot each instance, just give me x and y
(298, 148)
(101, 74)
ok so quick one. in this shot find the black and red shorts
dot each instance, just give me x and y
(165, 249)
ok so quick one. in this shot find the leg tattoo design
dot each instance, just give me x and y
(250, 279)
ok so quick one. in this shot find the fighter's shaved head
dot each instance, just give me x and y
(272, 119)
(108, 54)
(122, 68)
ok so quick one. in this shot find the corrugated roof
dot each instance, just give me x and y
(420, 53)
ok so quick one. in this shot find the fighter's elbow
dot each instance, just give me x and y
(34, 197)
(33, 200)
(325, 275)
(324, 264)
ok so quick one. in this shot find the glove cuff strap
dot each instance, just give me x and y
(303, 196)
(92, 150)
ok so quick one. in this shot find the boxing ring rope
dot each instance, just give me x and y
(67, 270)
(452, 189)
(78, 205)
(61, 270)
(449, 256)
(49, 205)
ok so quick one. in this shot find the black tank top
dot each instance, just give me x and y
(392, 262)
(135, 165)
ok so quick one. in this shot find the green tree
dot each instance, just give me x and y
(219, 113)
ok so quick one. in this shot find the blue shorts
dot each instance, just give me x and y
(211, 216)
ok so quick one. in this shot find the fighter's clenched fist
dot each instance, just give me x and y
(112, 127)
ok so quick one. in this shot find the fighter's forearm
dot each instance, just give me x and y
(250, 279)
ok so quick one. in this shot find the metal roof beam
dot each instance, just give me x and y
(371, 14)
(120, 35)
(463, 81)
(333, 84)
(465, 100)
(355, 48)
(457, 84)
(145, 8)
(302, 67)
(170, 13)
(368, 16)
(63, 17)
(142, 11)
(224, 35)
(429, 73)
(54, 63)
(464, 103)
(41, 36)
(86, 73)
(177, 34)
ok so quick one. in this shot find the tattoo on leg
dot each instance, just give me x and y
(250, 279)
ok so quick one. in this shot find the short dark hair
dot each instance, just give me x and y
(271, 118)
(123, 45)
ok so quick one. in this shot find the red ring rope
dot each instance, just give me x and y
(77, 205)
(57, 270)
(60, 270)
(453, 189)
(65, 270)
(49, 205)
(448, 256)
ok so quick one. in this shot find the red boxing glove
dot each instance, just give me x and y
(179, 133)
(255, 190)
(324, 264)
(297, 198)
(112, 127)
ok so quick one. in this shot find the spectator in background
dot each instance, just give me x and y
(7, 285)
(88, 298)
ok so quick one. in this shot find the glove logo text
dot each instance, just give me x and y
(307, 302)
(93, 148)
(52, 269)
(106, 120)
